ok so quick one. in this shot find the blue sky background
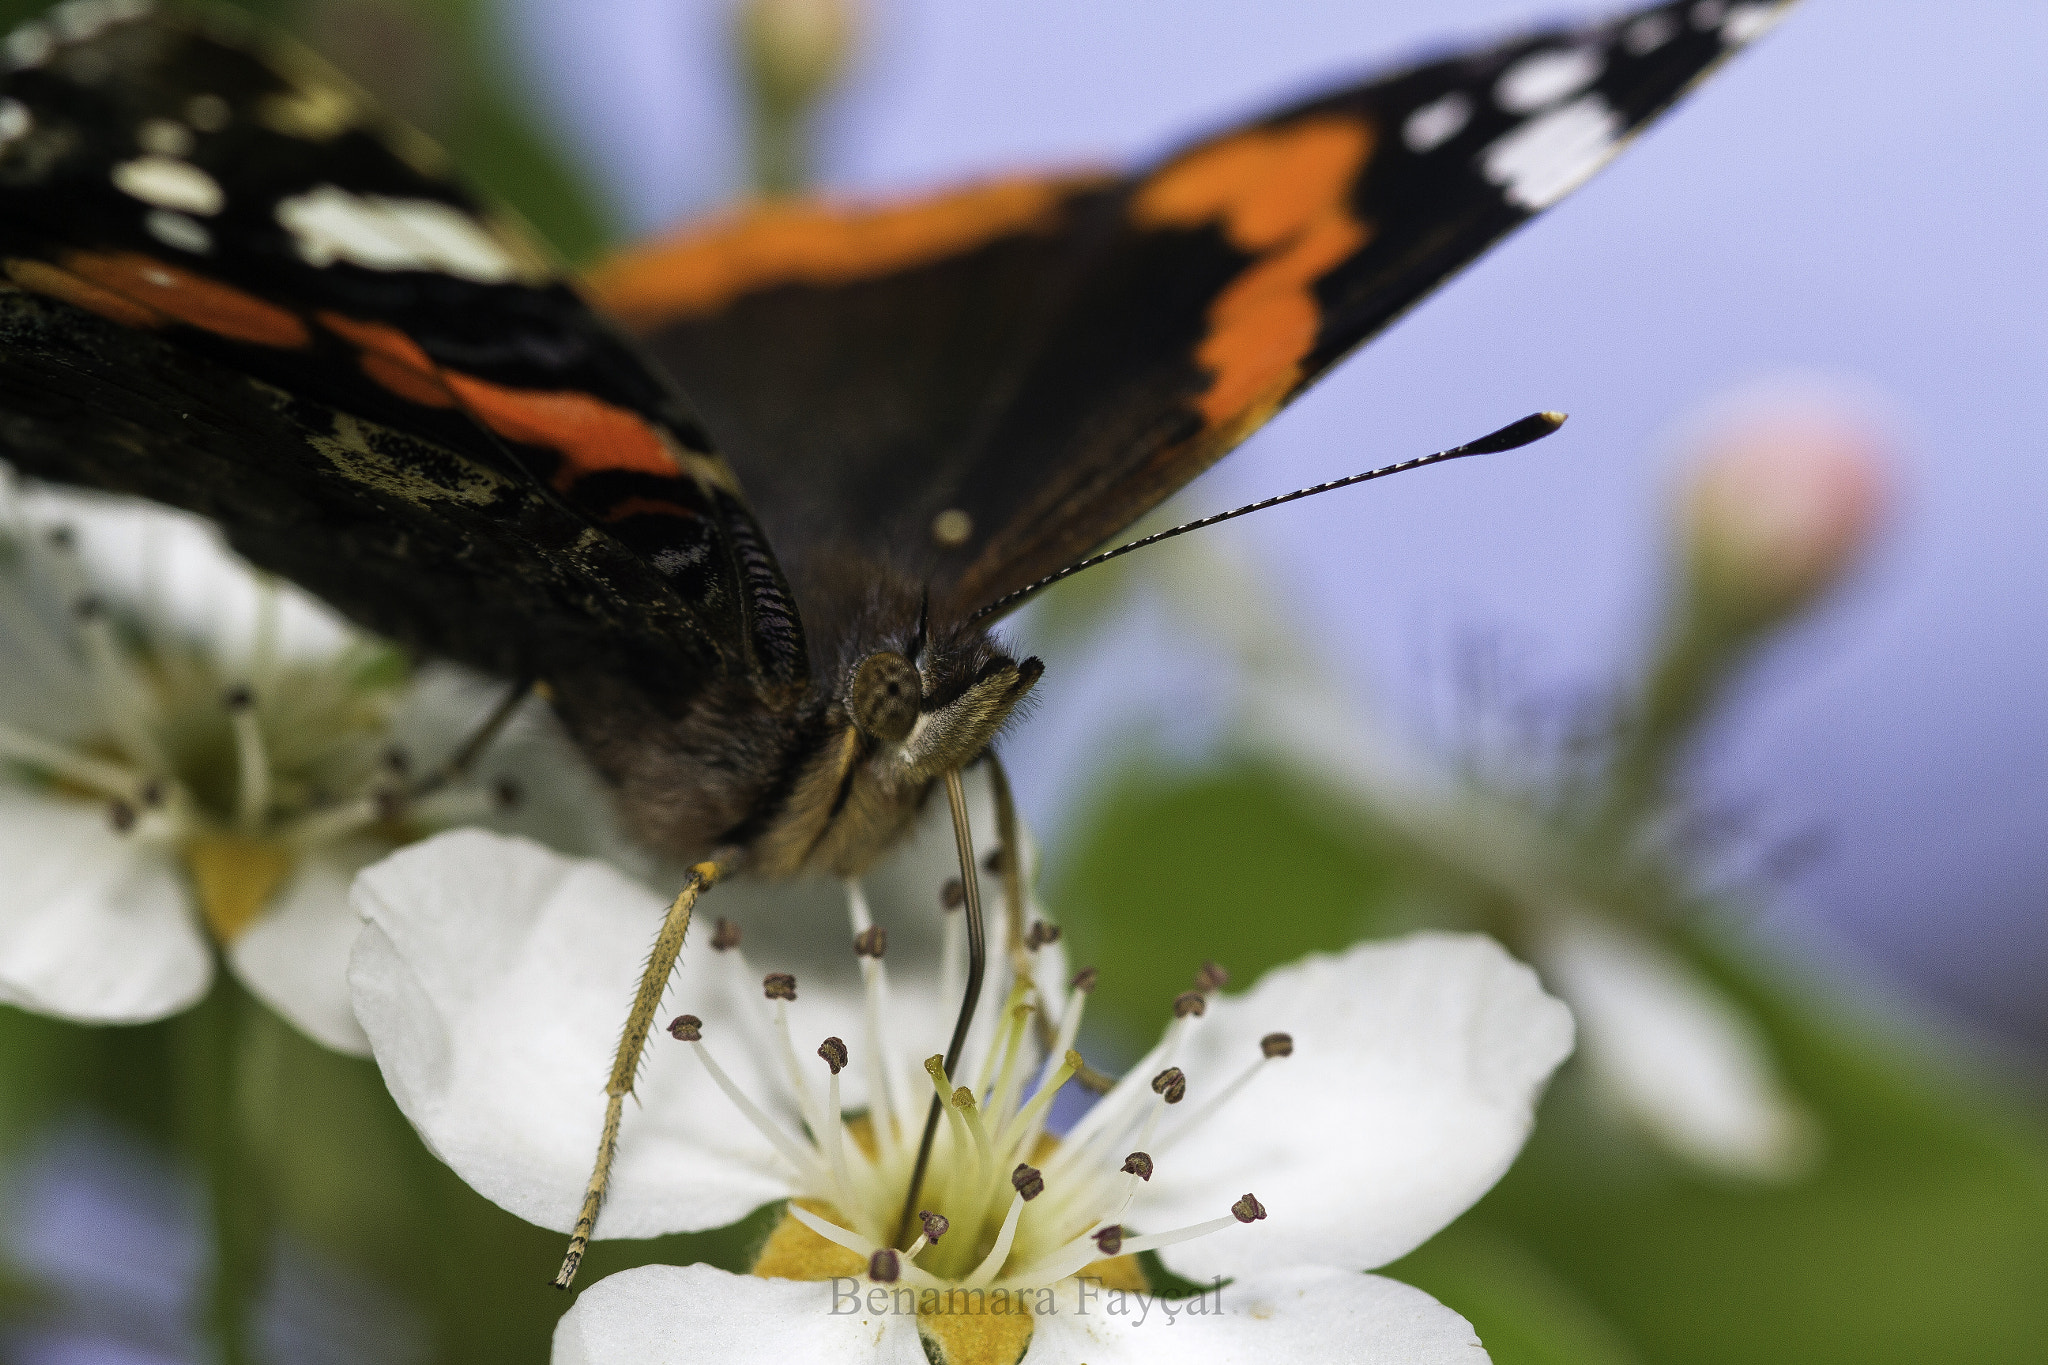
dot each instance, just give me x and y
(1861, 202)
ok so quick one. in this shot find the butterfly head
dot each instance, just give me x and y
(937, 705)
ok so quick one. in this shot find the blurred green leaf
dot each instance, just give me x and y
(1232, 864)
(1524, 1312)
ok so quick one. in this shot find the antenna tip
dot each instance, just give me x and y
(1534, 427)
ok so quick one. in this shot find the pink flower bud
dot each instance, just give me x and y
(1779, 505)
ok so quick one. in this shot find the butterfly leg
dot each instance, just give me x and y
(457, 765)
(1010, 833)
(668, 945)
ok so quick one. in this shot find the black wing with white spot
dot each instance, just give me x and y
(985, 386)
(240, 288)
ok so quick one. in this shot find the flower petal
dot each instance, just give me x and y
(1413, 1083)
(294, 957)
(492, 979)
(687, 1315)
(1672, 1052)
(94, 927)
(1309, 1313)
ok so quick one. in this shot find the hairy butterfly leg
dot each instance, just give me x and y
(668, 946)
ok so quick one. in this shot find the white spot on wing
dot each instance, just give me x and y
(30, 45)
(1437, 122)
(164, 137)
(175, 229)
(1649, 33)
(169, 183)
(1547, 158)
(1541, 79)
(380, 233)
(15, 121)
(1747, 23)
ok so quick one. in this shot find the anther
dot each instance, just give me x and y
(833, 1050)
(238, 699)
(1171, 1085)
(1190, 1002)
(1139, 1165)
(779, 986)
(963, 1099)
(952, 895)
(994, 861)
(1084, 980)
(1041, 934)
(1277, 1045)
(62, 537)
(121, 816)
(89, 608)
(870, 942)
(390, 804)
(1248, 1209)
(1027, 1181)
(885, 1266)
(1211, 977)
(935, 1225)
(397, 761)
(1110, 1240)
(151, 794)
(686, 1028)
(725, 934)
(507, 794)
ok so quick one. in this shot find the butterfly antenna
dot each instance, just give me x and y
(1534, 427)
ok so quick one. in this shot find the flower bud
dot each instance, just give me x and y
(1777, 509)
(796, 50)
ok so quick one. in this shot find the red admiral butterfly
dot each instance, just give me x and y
(238, 287)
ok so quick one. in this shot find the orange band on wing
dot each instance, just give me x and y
(591, 435)
(392, 359)
(192, 299)
(703, 269)
(41, 277)
(1281, 195)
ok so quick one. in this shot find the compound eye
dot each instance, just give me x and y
(885, 697)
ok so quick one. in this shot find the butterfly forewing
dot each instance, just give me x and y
(996, 380)
(242, 289)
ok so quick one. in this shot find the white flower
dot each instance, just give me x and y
(1325, 1122)
(192, 758)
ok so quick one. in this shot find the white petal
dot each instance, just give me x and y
(94, 927)
(294, 958)
(1310, 1313)
(694, 1315)
(1416, 1069)
(1673, 1053)
(493, 978)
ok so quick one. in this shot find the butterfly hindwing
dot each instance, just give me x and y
(1013, 373)
(238, 287)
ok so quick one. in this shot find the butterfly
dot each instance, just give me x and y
(749, 500)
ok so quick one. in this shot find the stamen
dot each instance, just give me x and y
(1024, 1129)
(1190, 1002)
(1110, 1240)
(859, 1245)
(886, 1095)
(1005, 1238)
(1271, 1047)
(792, 1151)
(885, 1266)
(121, 816)
(686, 1028)
(126, 704)
(1029, 1182)
(806, 1102)
(965, 1139)
(1248, 1209)
(779, 986)
(1210, 977)
(252, 766)
(952, 895)
(98, 775)
(870, 942)
(833, 1050)
(1085, 979)
(1171, 1085)
(725, 935)
(1040, 934)
(1188, 1234)
(935, 1226)
(1138, 1164)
